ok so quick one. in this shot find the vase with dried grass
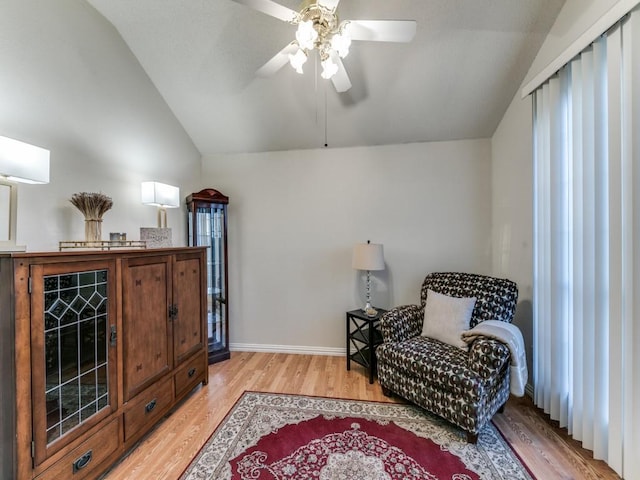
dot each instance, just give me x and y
(93, 206)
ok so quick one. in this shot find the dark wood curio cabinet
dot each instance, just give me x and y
(207, 227)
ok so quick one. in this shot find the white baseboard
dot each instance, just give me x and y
(300, 350)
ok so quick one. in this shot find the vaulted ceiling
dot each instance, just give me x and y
(453, 81)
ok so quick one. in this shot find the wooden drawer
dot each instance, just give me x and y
(147, 407)
(82, 461)
(190, 374)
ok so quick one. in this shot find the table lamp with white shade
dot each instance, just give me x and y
(162, 196)
(368, 256)
(19, 163)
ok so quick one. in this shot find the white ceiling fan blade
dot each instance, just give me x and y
(278, 61)
(271, 8)
(382, 30)
(341, 79)
(330, 4)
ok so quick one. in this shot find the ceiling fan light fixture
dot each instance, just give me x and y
(318, 27)
(341, 42)
(306, 35)
(297, 60)
(329, 69)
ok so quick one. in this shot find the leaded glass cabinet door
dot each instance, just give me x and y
(207, 226)
(73, 343)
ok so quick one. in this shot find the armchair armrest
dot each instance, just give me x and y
(487, 357)
(402, 323)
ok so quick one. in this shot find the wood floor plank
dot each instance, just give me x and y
(166, 451)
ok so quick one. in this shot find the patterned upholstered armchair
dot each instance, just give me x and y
(466, 387)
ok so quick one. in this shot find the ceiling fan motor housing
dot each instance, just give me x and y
(325, 23)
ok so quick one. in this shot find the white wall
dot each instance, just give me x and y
(512, 166)
(512, 207)
(70, 84)
(295, 216)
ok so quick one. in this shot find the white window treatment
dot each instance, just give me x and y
(587, 247)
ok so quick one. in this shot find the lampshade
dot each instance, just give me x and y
(306, 35)
(298, 60)
(160, 195)
(21, 162)
(341, 42)
(329, 69)
(368, 256)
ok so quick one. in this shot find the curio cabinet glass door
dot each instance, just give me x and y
(207, 214)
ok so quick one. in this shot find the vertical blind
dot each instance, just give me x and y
(587, 247)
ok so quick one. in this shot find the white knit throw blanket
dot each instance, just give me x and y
(511, 336)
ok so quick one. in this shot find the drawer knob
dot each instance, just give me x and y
(150, 406)
(191, 372)
(83, 461)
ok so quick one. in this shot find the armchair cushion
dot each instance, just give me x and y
(451, 368)
(446, 317)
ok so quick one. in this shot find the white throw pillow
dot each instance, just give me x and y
(445, 318)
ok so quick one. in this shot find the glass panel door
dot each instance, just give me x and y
(216, 321)
(209, 232)
(73, 351)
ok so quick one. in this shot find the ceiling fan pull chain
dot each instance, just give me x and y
(315, 87)
(326, 115)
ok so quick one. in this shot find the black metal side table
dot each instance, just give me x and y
(363, 336)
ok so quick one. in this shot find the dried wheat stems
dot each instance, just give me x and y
(92, 205)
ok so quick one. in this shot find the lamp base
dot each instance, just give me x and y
(6, 247)
(369, 310)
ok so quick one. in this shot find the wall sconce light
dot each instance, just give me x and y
(19, 162)
(162, 196)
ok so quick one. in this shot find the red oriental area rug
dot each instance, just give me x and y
(293, 437)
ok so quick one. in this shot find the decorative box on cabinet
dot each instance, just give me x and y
(95, 347)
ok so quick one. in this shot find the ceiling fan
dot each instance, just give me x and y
(319, 28)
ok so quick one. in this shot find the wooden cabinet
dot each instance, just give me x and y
(95, 347)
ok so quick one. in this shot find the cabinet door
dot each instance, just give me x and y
(147, 333)
(189, 305)
(73, 351)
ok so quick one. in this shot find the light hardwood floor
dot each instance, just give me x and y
(169, 448)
